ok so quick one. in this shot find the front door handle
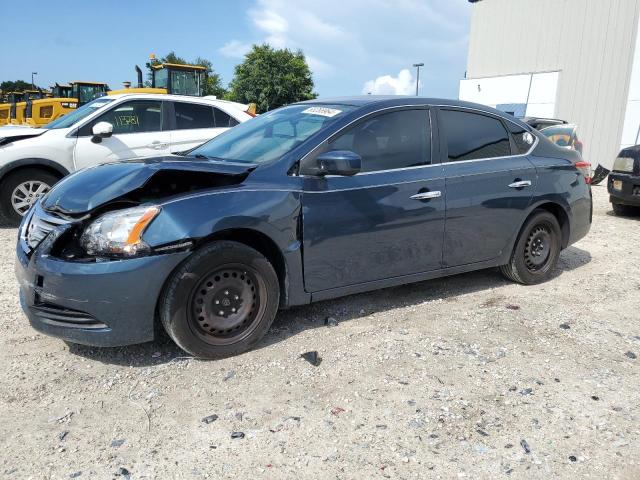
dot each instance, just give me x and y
(426, 195)
(158, 145)
(520, 184)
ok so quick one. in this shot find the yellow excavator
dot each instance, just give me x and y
(64, 99)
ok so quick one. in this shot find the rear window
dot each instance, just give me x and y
(562, 136)
(193, 115)
(473, 136)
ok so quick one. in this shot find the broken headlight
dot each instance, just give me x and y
(119, 233)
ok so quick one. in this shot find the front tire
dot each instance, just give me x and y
(221, 301)
(21, 189)
(536, 251)
(623, 210)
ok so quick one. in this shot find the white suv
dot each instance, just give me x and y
(107, 129)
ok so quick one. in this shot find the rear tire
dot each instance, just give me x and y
(21, 189)
(536, 251)
(220, 301)
(623, 210)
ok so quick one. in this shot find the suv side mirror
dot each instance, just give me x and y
(101, 130)
(339, 162)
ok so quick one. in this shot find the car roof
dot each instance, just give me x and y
(182, 98)
(382, 101)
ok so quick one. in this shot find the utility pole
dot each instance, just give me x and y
(418, 65)
(33, 85)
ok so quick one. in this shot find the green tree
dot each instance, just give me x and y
(15, 86)
(271, 78)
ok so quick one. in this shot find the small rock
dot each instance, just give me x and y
(337, 410)
(237, 435)
(63, 434)
(565, 326)
(75, 474)
(156, 354)
(573, 458)
(631, 355)
(525, 446)
(117, 443)
(513, 307)
(595, 397)
(210, 419)
(123, 472)
(312, 357)
(331, 322)
(229, 375)
(482, 432)
(526, 391)
(513, 388)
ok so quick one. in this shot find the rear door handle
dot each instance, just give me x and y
(426, 195)
(520, 184)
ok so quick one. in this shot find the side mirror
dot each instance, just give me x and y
(101, 130)
(339, 162)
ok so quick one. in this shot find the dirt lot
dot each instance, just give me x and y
(465, 377)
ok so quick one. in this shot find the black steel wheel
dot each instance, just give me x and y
(536, 251)
(220, 301)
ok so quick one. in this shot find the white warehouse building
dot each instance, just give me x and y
(577, 60)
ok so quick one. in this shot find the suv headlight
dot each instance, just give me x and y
(623, 164)
(119, 233)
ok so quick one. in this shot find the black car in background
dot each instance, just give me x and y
(624, 182)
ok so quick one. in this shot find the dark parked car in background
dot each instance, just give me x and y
(624, 182)
(540, 122)
(308, 202)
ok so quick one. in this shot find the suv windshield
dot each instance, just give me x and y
(273, 134)
(69, 119)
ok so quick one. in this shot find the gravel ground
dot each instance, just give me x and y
(465, 377)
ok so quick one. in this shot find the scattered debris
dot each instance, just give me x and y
(237, 435)
(331, 322)
(595, 397)
(123, 472)
(565, 326)
(210, 419)
(229, 375)
(482, 432)
(525, 446)
(312, 357)
(337, 410)
(117, 443)
(526, 391)
(631, 355)
(510, 306)
(573, 458)
(63, 434)
(75, 474)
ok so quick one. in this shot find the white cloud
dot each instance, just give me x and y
(348, 42)
(235, 49)
(403, 84)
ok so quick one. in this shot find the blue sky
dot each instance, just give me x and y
(353, 46)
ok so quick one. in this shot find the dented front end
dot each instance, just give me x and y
(99, 299)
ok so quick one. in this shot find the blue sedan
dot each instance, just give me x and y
(308, 202)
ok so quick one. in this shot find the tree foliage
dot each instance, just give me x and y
(271, 78)
(15, 86)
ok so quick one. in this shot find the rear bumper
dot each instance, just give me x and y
(103, 304)
(629, 193)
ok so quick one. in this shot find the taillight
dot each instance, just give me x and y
(585, 168)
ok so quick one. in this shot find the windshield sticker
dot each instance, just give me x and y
(324, 111)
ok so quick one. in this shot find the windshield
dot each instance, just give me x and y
(273, 134)
(70, 118)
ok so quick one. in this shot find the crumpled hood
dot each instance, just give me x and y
(90, 188)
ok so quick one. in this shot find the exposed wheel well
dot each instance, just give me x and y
(563, 219)
(263, 244)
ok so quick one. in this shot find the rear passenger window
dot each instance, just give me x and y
(193, 115)
(473, 136)
(223, 119)
(518, 134)
(392, 140)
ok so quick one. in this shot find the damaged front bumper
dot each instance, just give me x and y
(109, 303)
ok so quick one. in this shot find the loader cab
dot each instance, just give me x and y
(14, 111)
(84, 92)
(61, 91)
(179, 79)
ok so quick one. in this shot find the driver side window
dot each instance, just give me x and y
(389, 141)
(137, 116)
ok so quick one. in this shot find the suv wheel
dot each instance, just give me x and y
(623, 210)
(536, 251)
(20, 190)
(220, 301)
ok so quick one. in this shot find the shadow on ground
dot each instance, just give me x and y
(291, 322)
